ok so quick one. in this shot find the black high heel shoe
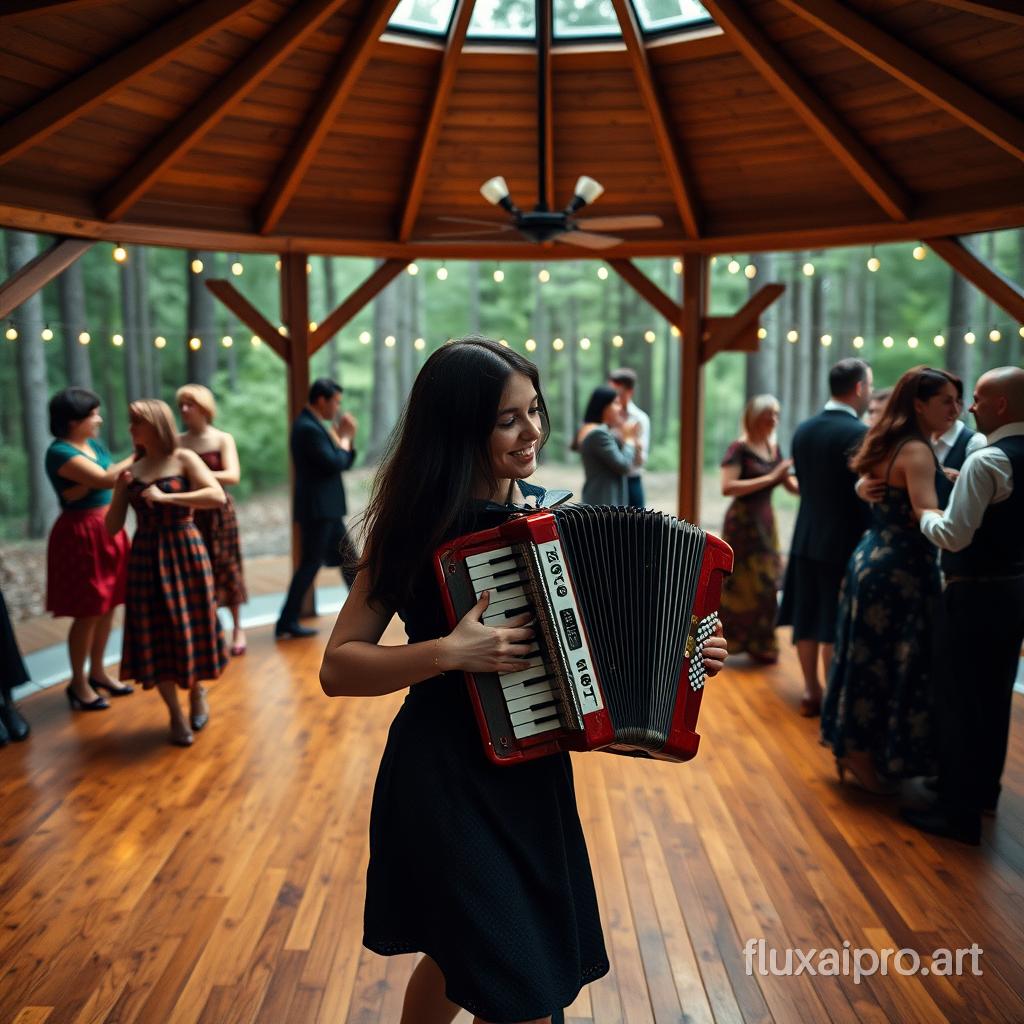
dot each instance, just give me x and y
(77, 704)
(114, 691)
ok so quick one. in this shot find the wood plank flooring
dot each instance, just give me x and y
(224, 883)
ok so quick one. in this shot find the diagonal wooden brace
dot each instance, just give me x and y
(249, 315)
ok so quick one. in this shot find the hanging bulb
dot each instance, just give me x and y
(969, 338)
(750, 271)
(120, 253)
(389, 341)
(792, 336)
(733, 267)
(677, 266)
(558, 344)
(531, 345)
(419, 344)
(544, 275)
(227, 341)
(602, 273)
(442, 273)
(12, 333)
(940, 341)
(84, 338)
(237, 269)
(413, 269)
(364, 337)
(197, 266)
(195, 344)
(920, 252)
(808, 269)
(499, 275)
(858, 342)
(649, 337)
(117, 340)
(912, 342)
(46, 334)
(160, 341)
(888, 341)
(617, 341)
(584, 344)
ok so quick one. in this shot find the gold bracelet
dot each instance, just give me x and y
(437, 653)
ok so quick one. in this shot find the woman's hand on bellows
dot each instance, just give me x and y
(714, 652)
(475, 647)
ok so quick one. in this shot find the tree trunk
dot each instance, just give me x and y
(960, 355)
(71, 299)
(133, 386)
(473, 282)
(33, 388)
(331, 301)
(804, 362)
(382, 399)
(819, 354)
(759, 374)
(150, 380)
(784, 364)
(201, 362)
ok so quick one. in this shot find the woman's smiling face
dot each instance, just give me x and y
(517, 430)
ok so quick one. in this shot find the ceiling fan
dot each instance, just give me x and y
(542, 224)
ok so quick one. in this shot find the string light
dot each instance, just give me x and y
(197, 266)
(675, 332)
(544, 275)
(750, 271)
(1020, 330)
(117, 340)
(617, 341)
(969, 338)
(413, 269)
(888, 341)
(792, 336)
(733, 267)
(312, 326)
(160, 341)
(12, 333)
(227, 341)
(503, 342)
(84, 338)
(499, 275)
(46, 334)
(419, 344)
(858, 342)
(602, 273)
(808, 269)
(283, 331)
(762, 332)
(826, 340)
(939, 341)
(309, 268)
(195, 344)
(994, 335)
(120, 253)
(237, 269)
(277, 264)
(584, 344)
(677, 267)
(874, 263)
(649, 337)
(558, 344)
(442, 274)
(920, 252)
(389, 341)
(912, 342)
(531, 345)
(364, 337)
(255, 341)
(714, 261)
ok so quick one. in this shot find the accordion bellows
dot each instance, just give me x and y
(624, 600)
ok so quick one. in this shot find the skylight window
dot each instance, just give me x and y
(430, 16)
(659, 15)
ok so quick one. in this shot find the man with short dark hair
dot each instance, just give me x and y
(829, 523)
(624, 381)
(322, 449)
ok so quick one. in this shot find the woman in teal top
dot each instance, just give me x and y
(86, 567)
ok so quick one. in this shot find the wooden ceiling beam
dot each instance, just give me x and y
(40, 271)
(836, 135)
(682, 190)
(1003, 10)
(1002, 291)
(728, 330)
(913, 69)
(22, 10)
(231, 297)
(281, 41)
(354, 56)
(648, 290)
(366, 292)
(546, 129)
(87, 90)
(435, 119)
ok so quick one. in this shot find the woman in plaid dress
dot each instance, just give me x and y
(172, 637)
(219, 526)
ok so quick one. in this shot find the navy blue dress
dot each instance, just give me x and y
(483, 868)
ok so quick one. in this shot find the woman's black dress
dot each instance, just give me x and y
(483, 868)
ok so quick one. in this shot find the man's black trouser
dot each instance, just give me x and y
(323, 542)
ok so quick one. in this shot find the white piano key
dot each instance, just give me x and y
(499, 565)
(536, 728)
(501, 576)
(517, 593)
(515, 678)
(500, 614)
(542, 686)
(521, 703)
(484, 557)
(548, 709)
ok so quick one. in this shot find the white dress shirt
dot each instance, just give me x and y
(986, 479)
(943, 444)
(643, 437)
(832, 405)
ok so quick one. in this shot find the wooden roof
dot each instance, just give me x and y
(265, 125)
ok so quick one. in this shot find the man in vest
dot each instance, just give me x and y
(953, 447)
(981, 531)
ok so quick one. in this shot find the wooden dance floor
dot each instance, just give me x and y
(141, 882)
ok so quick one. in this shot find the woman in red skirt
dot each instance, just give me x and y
(172, 637)
(86, 565)
(219, 526)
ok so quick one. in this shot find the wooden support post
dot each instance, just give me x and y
(37, 273)
(986, 279)
(295, 315)
(728, 330)
(691, 385)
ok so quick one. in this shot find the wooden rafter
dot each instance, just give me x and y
(374, 284)
(87, 90)
(682, 191)
(435, 120)
(282, 40)
(922, 75)
(696, 281)
(1000, 290)
(349, 66)
(231, 297)
(648, 290)
(1004, 10)
(38, 272)
(726, 331)
(836, 135)
(22, 10)
(546, 172)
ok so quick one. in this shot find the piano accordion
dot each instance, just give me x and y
(623, 599)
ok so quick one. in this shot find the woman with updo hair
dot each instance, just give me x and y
(607, 445)
(172, 637)
(219, 526)
(86, 567)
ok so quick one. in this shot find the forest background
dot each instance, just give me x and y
(144, 326)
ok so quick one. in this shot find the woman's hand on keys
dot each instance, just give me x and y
(474, 646)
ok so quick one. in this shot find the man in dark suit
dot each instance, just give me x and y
(322, 449)
(829, 524)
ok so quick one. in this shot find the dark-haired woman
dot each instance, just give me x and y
(482, 868)
(876, 716)
(607, 445)
(172, 636)
(85, 565)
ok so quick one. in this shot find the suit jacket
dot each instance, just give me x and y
(319, 491)
(832, 518)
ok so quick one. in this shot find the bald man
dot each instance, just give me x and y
(983, 531)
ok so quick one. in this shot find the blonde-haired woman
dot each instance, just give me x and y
(219, 526)
(172, 637)
(752, 468)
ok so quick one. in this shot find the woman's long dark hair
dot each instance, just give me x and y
(898, 419)
(436, 457)
(600, 398)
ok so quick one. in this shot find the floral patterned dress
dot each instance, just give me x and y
(750, 595)
(878, 694)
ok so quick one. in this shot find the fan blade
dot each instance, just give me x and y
(587, 240)
(470, 234)
(495, 225)
(624, 223)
